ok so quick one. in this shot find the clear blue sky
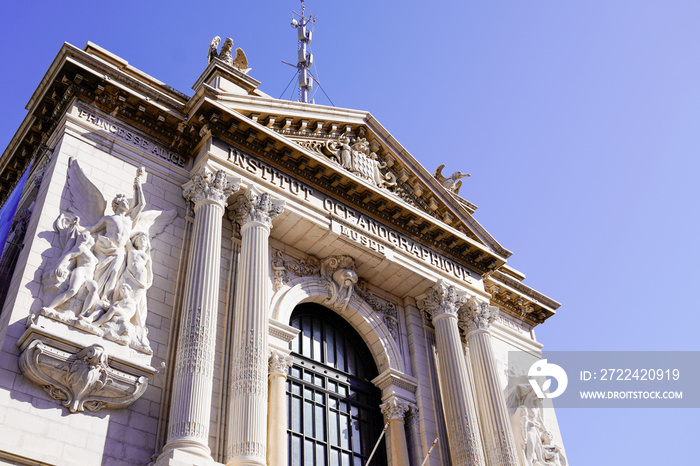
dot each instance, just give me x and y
(577, 120)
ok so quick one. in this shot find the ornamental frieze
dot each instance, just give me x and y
(388, 309)
(284, 267)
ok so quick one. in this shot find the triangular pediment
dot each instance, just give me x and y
(361, 149)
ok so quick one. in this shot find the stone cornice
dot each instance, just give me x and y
(519, 300)
(266, 128)
(316, 121)
(106, 82)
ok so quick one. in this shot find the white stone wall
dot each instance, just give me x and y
(32, 425)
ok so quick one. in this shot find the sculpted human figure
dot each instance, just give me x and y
(114, 234)
(139, 273)
(123, 309)
(82, 274)
(345, 153)
(104, 270)
(553, 455)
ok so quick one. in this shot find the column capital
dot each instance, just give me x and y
(257, 206)
(412, 417)
(208, 186)
(441, 299)
(477, 315)
(279, 363)
(393, 408)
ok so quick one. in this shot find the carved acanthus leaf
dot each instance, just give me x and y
(477, 315)
(441, 299)
(394, 409)
(206, 185)
(258, 206)
(279, 363)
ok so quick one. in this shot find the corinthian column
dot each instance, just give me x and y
(394, 412)
(476, 318)
(188, 428)
(247, 439)
(277, 422)
(442, 303)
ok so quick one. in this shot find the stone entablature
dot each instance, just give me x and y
(347, 221)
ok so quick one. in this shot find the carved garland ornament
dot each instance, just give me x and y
(340, 281)
(282, 265)
(386, 308)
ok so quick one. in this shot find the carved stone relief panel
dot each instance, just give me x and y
(99, 280)
(286, 268)
(356, 156)
(80, 377)
(94, 287)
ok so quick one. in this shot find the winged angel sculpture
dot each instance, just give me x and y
(98, 282)
(240, 61)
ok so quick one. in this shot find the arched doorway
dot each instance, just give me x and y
(333, 408)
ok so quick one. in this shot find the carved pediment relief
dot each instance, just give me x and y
(356, 157)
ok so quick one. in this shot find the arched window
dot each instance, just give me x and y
(333, 408)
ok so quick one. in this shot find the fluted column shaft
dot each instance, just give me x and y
(188, 428)
(277, 421)
(394, 411)
(248, 397)
(412, 420)
(442, 302)
(476, 318)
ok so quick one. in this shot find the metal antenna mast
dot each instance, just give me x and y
(304, 27)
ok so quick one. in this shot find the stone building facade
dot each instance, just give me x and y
(230, 278)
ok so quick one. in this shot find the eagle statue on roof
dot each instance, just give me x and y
(239, 62)
(451, 182)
